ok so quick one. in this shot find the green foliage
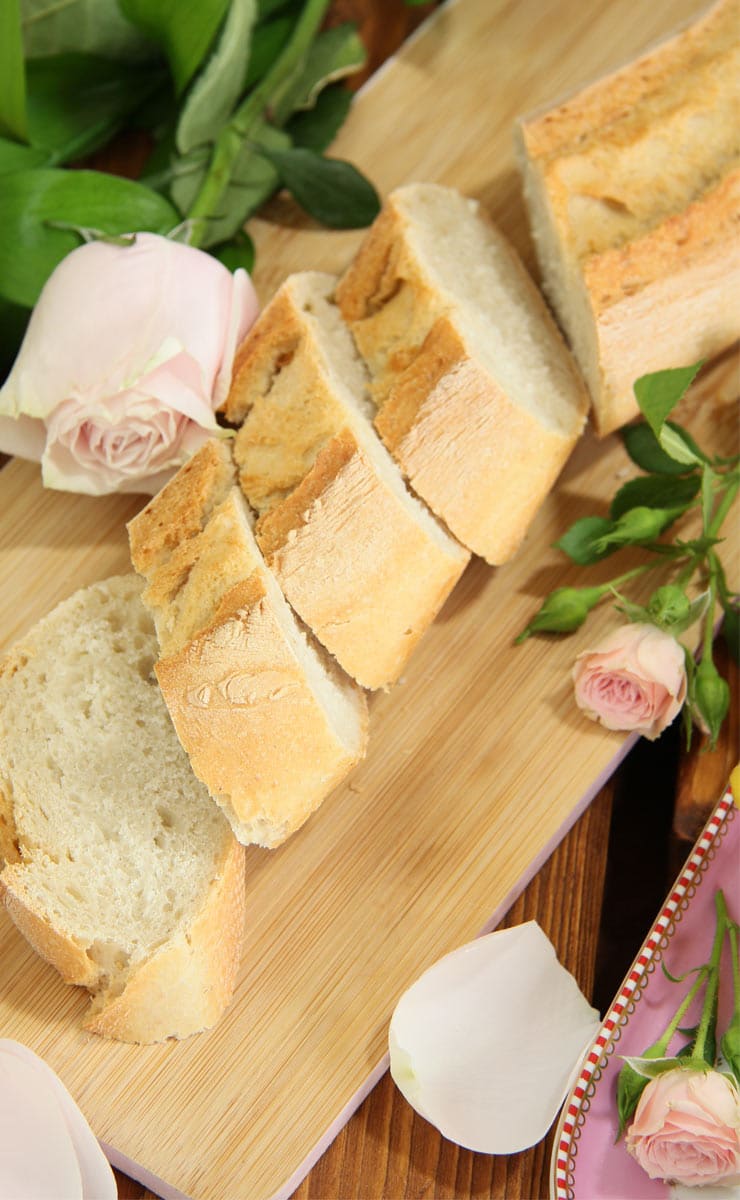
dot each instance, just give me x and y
(677, 477)
(13, 118)
(32, 201)
(81, 26)
(185, 29)
(217, 89)
(332, 191)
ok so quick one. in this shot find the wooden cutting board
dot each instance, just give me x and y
(478, 760)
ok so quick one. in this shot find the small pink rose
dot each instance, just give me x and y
(687, 1128)
(127, 356)
(633, 680)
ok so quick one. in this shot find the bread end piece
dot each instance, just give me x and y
(633, 192)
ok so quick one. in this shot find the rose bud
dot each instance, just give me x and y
(127, 356)
(687, 1128)
(563, 610)
(635, 679)
(711, 698)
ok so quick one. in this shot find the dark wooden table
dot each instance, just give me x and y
(595, 898)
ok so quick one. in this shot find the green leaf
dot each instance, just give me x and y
(578, 541)
(239, 252)
(77, 101)
(332, 55)
(13, 118)
(563, 611)
(184, 28)
(267, 8)
(267, 42)
(679, 447)
(658, 393)
(253, 180)
(655, 491)
(646, 451)
(15, 157)
(217, 89)
(82, 26)
(315, 128)
(332, 191)
(29, 200)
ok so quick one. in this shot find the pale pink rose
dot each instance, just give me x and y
(127, 355)
(686, 1128)
(635, 679)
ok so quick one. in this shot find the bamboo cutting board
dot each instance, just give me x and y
(478, 761)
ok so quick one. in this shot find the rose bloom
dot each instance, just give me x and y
(126, 358)
(687, 1128)
(635, 679)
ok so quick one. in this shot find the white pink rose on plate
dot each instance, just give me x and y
(126, 359)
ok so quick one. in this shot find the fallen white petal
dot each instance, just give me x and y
(24, 437)
(486, 1044)
(93, 1177)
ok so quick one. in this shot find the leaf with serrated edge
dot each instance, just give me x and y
(658, 393)
(211, 99)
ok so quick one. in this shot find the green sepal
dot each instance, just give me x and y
(637, 526)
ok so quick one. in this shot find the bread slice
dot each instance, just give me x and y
(478, 399)
(118, 868)
(633, 190)
(270, 723)
(360, 559)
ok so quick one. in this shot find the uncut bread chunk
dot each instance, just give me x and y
(633, 191)
(270, 723)
(478, 399)
(361, 560)
(117, 866)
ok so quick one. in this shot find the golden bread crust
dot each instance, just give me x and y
(243, 711)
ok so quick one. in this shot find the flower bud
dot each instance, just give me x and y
(639, 524)
(563, 610)
(669, 606)
(711, 697)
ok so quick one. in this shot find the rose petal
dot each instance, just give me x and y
(37, 1156)
(486, 1043)
(97, 1179)
(243, 314)
(22, 436)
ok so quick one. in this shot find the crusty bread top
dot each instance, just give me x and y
(647, 142)
(182, 508)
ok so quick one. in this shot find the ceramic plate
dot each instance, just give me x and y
(586, 1162)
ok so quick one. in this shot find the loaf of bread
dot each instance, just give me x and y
(478, 398)
(633, 189)
(117, 866)
(270, 723)
(361, 560)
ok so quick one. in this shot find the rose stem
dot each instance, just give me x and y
(710, 998)
(232, 137)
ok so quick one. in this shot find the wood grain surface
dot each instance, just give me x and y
(477, 762)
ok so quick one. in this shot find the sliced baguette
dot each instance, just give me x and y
(360, 559)
(633, 190)
(118, 868)
(478, 399)
(270, 723)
